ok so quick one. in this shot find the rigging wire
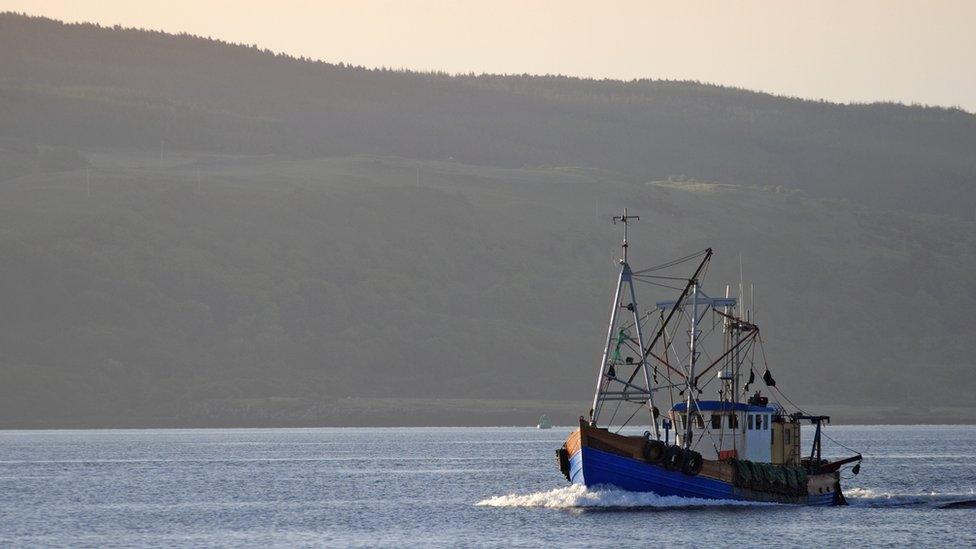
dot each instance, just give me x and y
(673, 262)
(750, 350)
(658, 284)
(624, 424)
(614, 414)
(828, 437)
(660, 277)
(762, 348)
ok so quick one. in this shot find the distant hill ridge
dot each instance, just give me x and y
(89, 86)
(195, 233)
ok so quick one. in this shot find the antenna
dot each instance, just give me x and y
(625, 219)
(752, 301)
(726, 322)
(755, 308)
(741, 294)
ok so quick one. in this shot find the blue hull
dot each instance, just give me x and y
(591, 467)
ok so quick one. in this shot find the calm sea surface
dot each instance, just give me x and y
(440, 487)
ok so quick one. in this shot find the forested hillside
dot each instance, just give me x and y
(200, 233)
(82, 85)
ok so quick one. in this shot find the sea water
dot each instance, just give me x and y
(442, 487)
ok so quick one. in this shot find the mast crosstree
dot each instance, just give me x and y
(625, 219)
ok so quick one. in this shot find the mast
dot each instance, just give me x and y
(737, 361)
(604, 362)
(692, 359)
(625, 220)
(643, 366)
(629, 390)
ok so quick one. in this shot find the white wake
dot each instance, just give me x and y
(578, 496)
(867, 497)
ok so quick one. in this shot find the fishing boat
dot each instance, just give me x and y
(739, 445)
(544, 422)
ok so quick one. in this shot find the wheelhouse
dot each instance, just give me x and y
(723, 430)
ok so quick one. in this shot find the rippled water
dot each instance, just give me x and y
(439, 486)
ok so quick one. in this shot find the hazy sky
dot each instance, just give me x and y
(923, 51)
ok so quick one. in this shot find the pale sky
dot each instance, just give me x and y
(907, 51)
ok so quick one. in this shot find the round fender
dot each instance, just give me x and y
(654, 450)
(693, 463)
(674, 458)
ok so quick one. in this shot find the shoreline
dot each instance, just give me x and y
(286, 413)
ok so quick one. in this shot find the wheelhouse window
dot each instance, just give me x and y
(766, 423)
(750, 422)
(716, 421)
(734, 421)
(786, 435)
(700, 421)
(759, 422)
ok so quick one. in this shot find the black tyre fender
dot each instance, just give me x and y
(674, 458)
(693, 463)
(562, 459)
(654, 450)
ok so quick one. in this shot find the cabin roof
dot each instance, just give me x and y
(720, 406)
